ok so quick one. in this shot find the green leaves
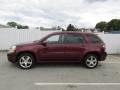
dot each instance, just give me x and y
(113, 25)
(102, 26)
(19, 26)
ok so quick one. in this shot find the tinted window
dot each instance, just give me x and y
(95, 39)
(73, 38)
(55, 39)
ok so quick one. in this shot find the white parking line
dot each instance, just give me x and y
(77, 84)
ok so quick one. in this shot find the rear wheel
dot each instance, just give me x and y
(26, 61)
(91, 61)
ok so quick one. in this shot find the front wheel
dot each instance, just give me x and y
(91, 61)
(26, 61)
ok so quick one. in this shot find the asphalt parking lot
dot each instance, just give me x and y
(60, 76)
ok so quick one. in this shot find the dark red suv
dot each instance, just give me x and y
(60, 47)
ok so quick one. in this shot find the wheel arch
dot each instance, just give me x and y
(91, 52)
(32, 53)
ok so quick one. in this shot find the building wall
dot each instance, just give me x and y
(9, 37)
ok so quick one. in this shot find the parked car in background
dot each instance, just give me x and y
(60, 47)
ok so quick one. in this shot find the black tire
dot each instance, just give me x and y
(25, 61)
(89, 62)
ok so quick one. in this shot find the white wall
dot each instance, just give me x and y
(112, 42)
(9, 37)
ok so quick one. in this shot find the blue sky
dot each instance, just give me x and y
(48, 13)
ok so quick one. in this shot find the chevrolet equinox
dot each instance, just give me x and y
(60, 47)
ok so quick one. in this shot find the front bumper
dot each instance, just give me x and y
(11, 57)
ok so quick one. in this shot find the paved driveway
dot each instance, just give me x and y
(61, 76)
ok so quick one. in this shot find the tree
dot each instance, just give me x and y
(114, 25)
(12, 24)
(25, 27)
(22, 27)
(19, 26)
(59, 27)
(102, 26)
(70, 27)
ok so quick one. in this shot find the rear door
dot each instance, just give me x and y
(74, 45)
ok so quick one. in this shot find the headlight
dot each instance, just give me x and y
(12, 49)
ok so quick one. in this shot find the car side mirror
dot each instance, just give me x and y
(44, 43)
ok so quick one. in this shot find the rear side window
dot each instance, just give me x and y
(73, 38)
(94, 38)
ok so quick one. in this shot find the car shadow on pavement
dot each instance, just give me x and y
(55, 65)
(63, 65)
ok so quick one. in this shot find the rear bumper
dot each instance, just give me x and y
(11, 57)
(103, 56)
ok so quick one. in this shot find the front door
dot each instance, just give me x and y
(53, 51)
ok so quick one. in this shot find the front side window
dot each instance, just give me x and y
(55, 39)
(73, 38)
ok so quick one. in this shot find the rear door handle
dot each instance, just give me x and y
(83, 45)
(44, 47)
